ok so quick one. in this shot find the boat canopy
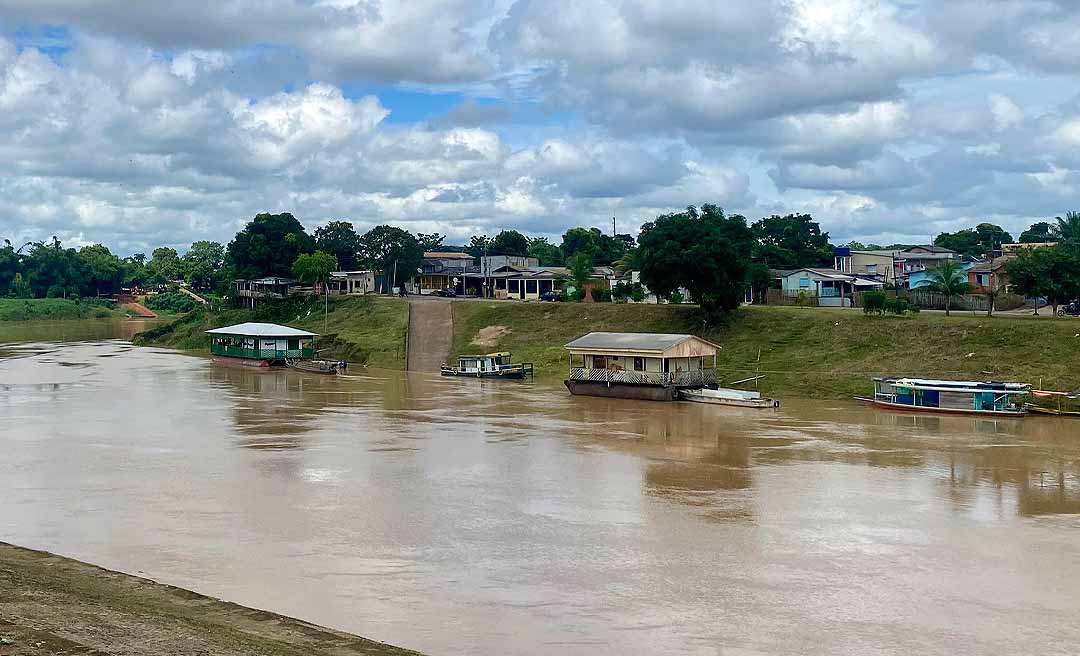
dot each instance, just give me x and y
(957, 385)
(255, 329)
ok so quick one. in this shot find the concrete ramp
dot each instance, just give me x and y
(431, 328)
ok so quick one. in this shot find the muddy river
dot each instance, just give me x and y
(475, 517)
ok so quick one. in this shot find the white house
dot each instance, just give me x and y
(832, 288)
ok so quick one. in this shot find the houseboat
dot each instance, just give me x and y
(648, 366)
(260, 345)
(490, 365)
(949, 396)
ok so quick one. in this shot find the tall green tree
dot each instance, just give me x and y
(705, 251)
(10, 265)
(204, 264)
(1039, 232)
(103, 272)
(392, 250)
(601, 247)
(1067, 229)
(974, 242)
(950, 280)
(1049, 272)
(791, 242)
(509, 242)
(547, 253)
(268, 246)
(430, 242)
(339, 240)
(52, 270)
(314, 267)
(581, 269)
(164, 265)
(479, 246)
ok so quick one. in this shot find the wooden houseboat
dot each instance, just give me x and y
(490, 365)
(648, 366)
(949, 396)
(260, 344)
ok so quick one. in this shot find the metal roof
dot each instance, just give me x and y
(632, 341)
(254, 329)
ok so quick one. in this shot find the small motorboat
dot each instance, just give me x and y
(491, 365)
(729, 397)
(329, 367)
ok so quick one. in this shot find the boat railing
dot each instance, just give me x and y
(262, 354)
(690, 379)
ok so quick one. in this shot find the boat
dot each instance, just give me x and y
(489, 365)
(729, 397)
(1066, 402)
(328, 367)
(949, 396)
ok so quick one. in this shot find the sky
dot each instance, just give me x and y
(140, 124)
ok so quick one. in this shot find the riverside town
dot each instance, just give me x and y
(539, 328)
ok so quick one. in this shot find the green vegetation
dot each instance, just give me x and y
(171, 303)
(28, 309)
(367, 330)
(806, 353)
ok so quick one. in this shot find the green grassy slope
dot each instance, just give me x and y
(17, 309)
(368, 330)
(804, 352)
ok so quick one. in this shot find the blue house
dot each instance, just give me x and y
(917, 279)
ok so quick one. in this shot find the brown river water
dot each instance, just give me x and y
(475, 517)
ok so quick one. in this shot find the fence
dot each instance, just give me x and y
(971, 302)
(696, 378)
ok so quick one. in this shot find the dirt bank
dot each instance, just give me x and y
(55, 605)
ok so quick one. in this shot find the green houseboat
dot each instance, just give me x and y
(260, 344)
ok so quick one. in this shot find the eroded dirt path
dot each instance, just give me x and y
(431, 327)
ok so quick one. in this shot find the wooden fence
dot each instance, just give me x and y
(971, 302)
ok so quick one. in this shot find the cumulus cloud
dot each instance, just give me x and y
(150, 122)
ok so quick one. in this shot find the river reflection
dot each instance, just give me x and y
(466, 516)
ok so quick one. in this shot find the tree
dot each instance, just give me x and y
(1067, 229)
(52, 270)
(393, 251)
(974, 242)
(103, 272)
(859, 246)
(19, 288)
(509, 242)
(314, 267)
(430, 242)
(1038, 233)
(602, 248)
(948, 279)
(339, 240)
(204, 264)
(791, 242)
(547, 253)
(479, 246)
(703, 251)
(1048, 273)
(10, 265)
(164, 265)
(268, 246)
(581, 269)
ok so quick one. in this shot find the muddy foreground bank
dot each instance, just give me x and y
(50, 604)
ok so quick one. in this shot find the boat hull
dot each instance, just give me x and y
(622, 390)
(241, 363)
(510, 375)
(762, 403)
(904, 407)
(309, 367)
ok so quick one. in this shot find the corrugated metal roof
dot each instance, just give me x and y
(447, 255)
(631, 341)
(255, 329)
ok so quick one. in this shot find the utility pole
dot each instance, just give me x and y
(613, 233)
(393, 281)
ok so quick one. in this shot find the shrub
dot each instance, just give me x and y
(174, 302)
(874, 302)
(600, 295)
(637, 294)
(677, 298)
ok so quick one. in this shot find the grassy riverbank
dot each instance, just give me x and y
(55, 605)
(36, 309)
(804, 352)
(367, 330)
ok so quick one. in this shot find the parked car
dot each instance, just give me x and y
(551, 296)
(1073, 308)
(445, 293)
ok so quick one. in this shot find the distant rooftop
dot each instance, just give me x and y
(255, 329)
(632, 341)
(447, 255)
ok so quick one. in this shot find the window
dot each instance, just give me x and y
(530, 286)
(639, 364)
(804, 282)
(871, 269)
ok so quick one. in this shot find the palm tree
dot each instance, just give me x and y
(948, 279)
(1067, 229)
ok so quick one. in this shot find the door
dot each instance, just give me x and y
(599, 362)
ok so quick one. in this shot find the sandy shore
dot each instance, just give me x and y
(54, 605)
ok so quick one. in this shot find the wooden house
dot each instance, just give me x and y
(260, 344)
(652, 366)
